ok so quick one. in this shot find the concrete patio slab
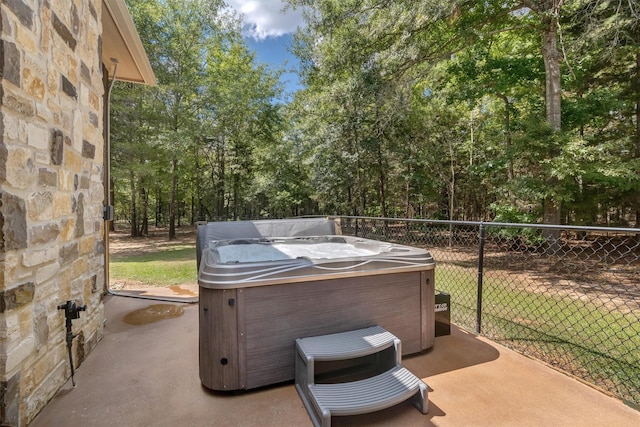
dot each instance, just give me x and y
(147, 375)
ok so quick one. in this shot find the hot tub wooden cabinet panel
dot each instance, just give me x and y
(247, 335)
(219, 324)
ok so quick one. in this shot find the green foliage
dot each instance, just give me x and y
(186, 147)
(444, 102)
(433, 109)
(512, 215)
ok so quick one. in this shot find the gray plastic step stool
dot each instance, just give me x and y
(383, 390)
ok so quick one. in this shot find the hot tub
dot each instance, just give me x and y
(257, 295)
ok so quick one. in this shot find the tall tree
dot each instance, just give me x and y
(239, 115)
(176, 35)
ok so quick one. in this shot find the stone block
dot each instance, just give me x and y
(94, 101)
(21, 11)
(17, 354)
(78, 123)
(85, 182)
(40, 326)
(37, 257)
(61, 205)
(62, 30)
(79, 231)
(66, 180)
(68, 227)
(44, 112)
(75, 19)
(44, 233)
(10, 400)
(4, 155)
(94, 283)
(42, 158)
(72, 161)
(25, 39)
(73, 71)
(45, 273)
(99, 247)
(33, 85)
(41, 206)
(87, 245)
(45, 30)
(47, 177)
(38, 137)
(11, 125)
(80, 268)
(85, 73)
(88, 150)
(21, 169)
(10, 62)
(13, 214)
(8, 326)
(68, 253)
(52, 80)
(68, 88)
(17, 103)
(14, 273)
(16, 296)
(93, 119)
(57, 147)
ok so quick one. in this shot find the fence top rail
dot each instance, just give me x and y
(495, 224)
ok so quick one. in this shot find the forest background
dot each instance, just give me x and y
(504, 110)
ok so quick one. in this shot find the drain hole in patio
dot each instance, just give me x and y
(153, 313)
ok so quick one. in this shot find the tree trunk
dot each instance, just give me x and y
(134, 213)
(508, 144)
(551, 57)
(145, 212)
(158, 207)
(200, 208)
(452, 182)
(174, 195)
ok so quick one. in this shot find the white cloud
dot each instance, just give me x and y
(265, 18)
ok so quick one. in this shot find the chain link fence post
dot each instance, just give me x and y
(480, 277)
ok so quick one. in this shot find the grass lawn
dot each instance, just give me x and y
(175, 265)
(584, 337)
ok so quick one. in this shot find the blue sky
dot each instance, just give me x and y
(269, 31)
(273, 51)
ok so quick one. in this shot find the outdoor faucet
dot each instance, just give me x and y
(71, 311)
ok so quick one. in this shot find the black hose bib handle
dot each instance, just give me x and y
(71, 311)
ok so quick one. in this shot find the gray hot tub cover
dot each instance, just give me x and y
(229, 230)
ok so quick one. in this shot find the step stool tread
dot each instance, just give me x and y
(368, 395)
(346, 345)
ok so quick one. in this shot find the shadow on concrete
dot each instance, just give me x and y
(459, 350)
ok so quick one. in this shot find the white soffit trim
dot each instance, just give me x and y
(120, 41)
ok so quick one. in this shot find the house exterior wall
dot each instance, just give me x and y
(51, 195)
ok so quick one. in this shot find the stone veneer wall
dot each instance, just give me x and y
(51, 199)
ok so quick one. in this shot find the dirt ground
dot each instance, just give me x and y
(121, 243)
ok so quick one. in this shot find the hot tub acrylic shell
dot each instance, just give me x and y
(251, 312)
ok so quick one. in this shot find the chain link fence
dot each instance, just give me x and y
(568, 296)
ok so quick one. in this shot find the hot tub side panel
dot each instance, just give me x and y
(219, 355)
(274, 316)
(428, 301)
